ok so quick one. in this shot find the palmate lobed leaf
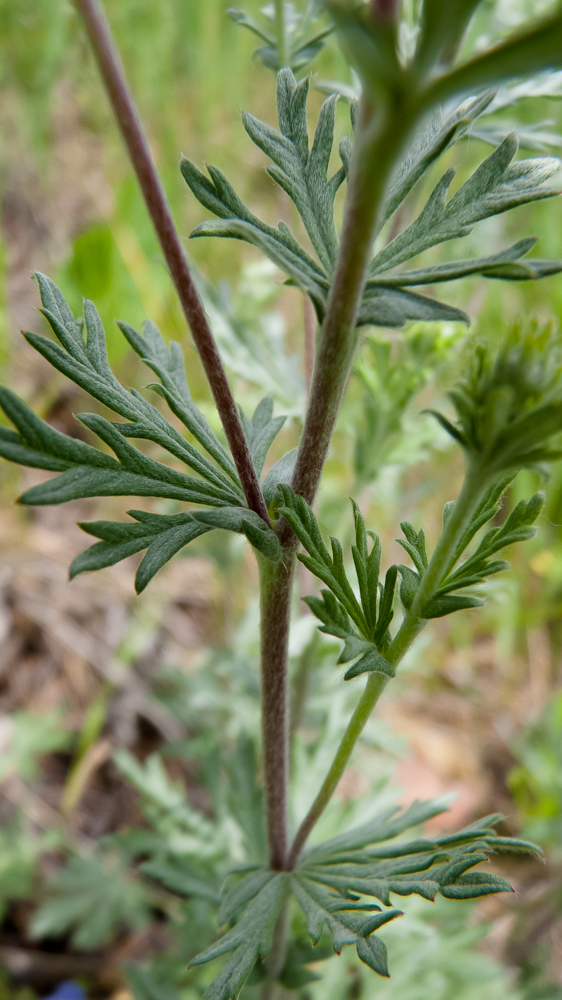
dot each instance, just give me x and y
(334, 884)
(95, 897)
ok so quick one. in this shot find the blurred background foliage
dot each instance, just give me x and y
(128, 726)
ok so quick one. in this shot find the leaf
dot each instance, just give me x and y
(525, 53)
(183, 879)
(85, 470)
(480, 565)
(168, 364)
(278, 246)
(249, 940)
(89, 472)
(30, 736)
(363, 625)
(95, 898)
(244, 522)
(509, 404)
(261, 431)
(382, 827)
(333, 879)
(161, 535)
(437, 132)
(505, 266)
(280, 474)
(437, 607)
(334, 884)
(245, 796)
(384, 305)
(443, 26)
(145, 986)
(304, 35)
(86, 364)
(346, 924)
(370, 662)
(301, 172)
(496, 186)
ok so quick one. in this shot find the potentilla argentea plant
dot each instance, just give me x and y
(507, 416)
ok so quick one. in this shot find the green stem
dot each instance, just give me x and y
(381, 134)
(373, 690)
(283, 57)
(473, 487)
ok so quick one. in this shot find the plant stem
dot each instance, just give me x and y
(283, 58)
(474, 485)
(377, 146)
(275, 608)
(373, 690)
(130, 127)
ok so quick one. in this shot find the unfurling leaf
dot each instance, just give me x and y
(509, 405)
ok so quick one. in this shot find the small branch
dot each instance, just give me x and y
(128, 121)
(373, 690)
(276, 581)
(473, 487)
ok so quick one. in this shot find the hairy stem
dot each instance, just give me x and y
(474, 485)
(275, 609)
(132, 133)
(377, 146)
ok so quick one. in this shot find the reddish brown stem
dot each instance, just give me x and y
(384, 10)
(276, 582)
(128, 121)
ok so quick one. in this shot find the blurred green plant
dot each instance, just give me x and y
(536, 782)
(417, 100)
